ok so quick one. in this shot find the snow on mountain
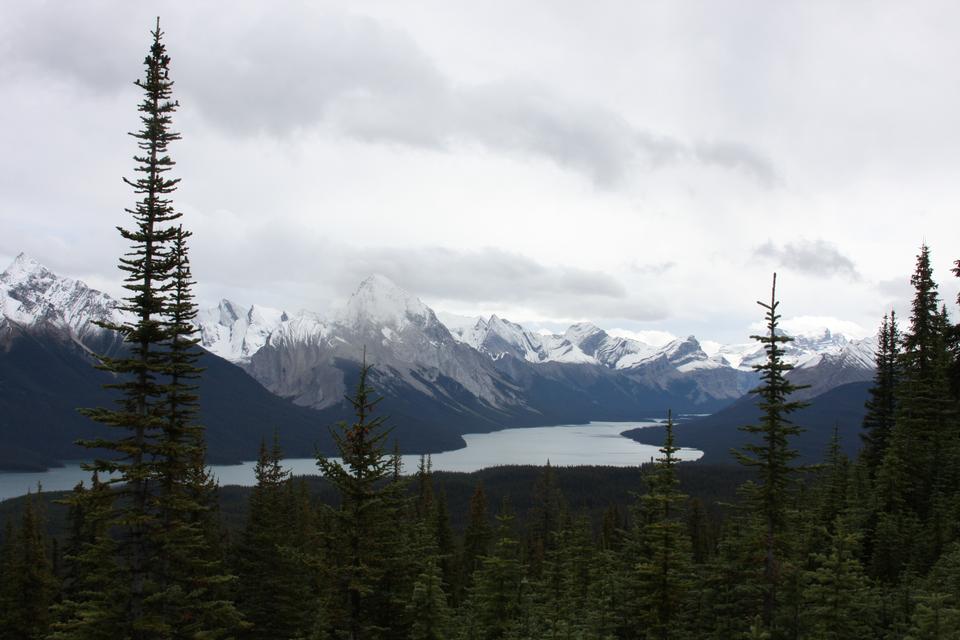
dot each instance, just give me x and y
(31, 294)
(611, 351)
(806, 350)
(380, 302)
(498, 337)
(296, 355)
(236, 334)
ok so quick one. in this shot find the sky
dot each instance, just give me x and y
(642, 165)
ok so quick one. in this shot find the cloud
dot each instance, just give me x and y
(653, 269)
(300, 264)
(812, 257)
(654, 337)
(280, 72)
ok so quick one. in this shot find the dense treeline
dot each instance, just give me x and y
(859, 548)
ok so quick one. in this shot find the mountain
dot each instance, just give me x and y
(48, 337)
(438, 380)
(717, 434)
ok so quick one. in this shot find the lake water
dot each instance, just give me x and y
(596, 443)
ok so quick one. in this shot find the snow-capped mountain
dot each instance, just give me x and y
(453, 377)
(806, 350)
(497, 338)
(235, 333)
(32, 295)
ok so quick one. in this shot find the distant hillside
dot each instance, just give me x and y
(44, 377)
(716, 434)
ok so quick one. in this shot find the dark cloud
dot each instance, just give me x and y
(813, 257)
(280, 72)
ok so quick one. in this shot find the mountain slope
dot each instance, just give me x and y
(716, 434)
(292, 371)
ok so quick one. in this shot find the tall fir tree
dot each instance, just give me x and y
(92, 603)
(136, 453)
(664, 570)
(193, 584)
(477, 538)
(496, 601)
(771, 458)
(917, 474)
(881, 405)
(273, 592)
(361, 605)
(28, 586)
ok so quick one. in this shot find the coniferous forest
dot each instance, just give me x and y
(849, 548)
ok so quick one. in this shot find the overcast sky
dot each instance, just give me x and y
(644, 165)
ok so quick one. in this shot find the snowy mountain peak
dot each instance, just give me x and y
(229, 312)
(379, 301)
(235, 333)
(23, 269)
(31, 294)
(581, 331)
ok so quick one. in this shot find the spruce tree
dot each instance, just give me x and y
(544, 520)
(771, 458)
(136, 453)
(29, 585)
(361, 603)
(192, 582)
(92, 605)
(477, 537)
(496, 599)
(881, 405)
(273, 587)
(664, 571)
(917, 478)
(838, 603)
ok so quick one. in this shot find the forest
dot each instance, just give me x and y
(151, 547)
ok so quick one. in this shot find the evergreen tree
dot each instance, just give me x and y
(771, 458)
(917, 477)
(446, 547)
(664, 571)
(135, 455)
(92, 602)
(361, 604)
(881, 406)
(544, 520)
(838, 601)
(28, 586)
(497, 597)
(274, 590)
(428, 607)
(192, 582)
(476, 537)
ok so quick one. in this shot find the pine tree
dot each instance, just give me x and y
(917, 477)
(477, 537)
(361, 604)
(838, 602)
(544, 519)
(135, 454)
(446, 547)
(92, 602)
(29, 585)
(192, 582)
(497, 596)
(273, 588)
(664, 571)
(428, 607)
(881, 406)
(771, 458)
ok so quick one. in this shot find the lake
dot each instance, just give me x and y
(595, 443)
